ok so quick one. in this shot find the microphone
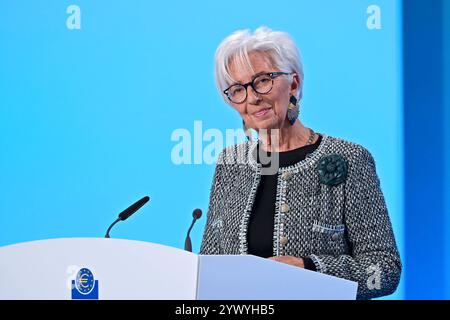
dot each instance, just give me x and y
(125, 214)
(187, 243)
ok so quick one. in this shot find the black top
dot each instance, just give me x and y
(261, 224)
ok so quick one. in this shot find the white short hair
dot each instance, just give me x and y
(279, 46)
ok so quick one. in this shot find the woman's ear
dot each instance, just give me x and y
(295, 84)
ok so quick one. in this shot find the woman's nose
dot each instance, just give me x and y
(252, 96)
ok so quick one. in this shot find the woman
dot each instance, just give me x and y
(322, 207)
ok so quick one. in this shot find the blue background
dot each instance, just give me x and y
(86, 116)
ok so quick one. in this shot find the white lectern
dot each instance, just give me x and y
(98, 268)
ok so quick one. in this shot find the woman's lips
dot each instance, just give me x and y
(261, 113)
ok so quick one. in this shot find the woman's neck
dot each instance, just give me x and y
(287, 138)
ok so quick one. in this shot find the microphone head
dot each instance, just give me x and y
(197, 214)
(124, 215)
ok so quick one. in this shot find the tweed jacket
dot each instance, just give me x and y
(344, 228)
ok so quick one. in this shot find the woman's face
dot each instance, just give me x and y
(264, 111)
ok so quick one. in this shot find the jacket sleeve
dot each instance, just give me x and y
(211, 235)
(374, 261)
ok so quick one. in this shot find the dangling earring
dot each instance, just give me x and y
(247, 131)
(293, 110)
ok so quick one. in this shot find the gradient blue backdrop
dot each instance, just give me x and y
(86, 116)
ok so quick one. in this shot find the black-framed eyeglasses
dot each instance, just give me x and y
(262, 84)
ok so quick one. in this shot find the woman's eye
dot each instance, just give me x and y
(262, 81)
(236, 91)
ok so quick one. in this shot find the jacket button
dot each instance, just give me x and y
(285, 208)
(335, 236)
(283, 241)
(286, 175)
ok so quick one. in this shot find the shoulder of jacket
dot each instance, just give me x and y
(352, 151)
(235, 154)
